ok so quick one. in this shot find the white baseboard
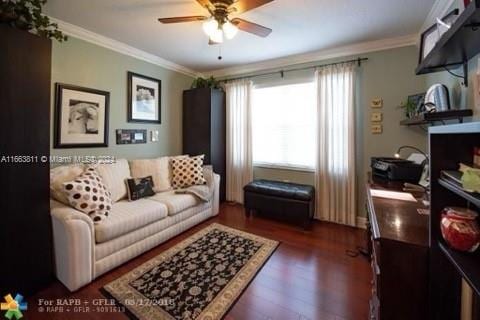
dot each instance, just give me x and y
(362, 222)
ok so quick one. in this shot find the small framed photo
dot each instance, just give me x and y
(432, 35)
(144, 99)
(131, 136)
(81, 117)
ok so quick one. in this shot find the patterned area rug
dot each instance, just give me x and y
(200, 278)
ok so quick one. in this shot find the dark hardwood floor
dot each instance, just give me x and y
(308, 277)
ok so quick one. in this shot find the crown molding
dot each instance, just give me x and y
(349, 50)
(95, 38)
(439, 9)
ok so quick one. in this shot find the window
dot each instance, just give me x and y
(283, 126)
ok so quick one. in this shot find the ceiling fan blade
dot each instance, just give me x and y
(205, 3)
(251, 27)
(245, 5)
(212, 43)
(182, 19)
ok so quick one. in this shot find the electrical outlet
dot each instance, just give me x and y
(377, 128)
(376, 117)
(377, 103)
(154, 135)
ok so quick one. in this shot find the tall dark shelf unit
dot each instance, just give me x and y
(204, 128)
(449, 146)
(25, 228)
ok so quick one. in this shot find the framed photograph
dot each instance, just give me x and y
(144, 99)
(430, 37)
(417, 99)
(81, 117)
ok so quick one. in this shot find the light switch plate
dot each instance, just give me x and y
(376, 117)
(377, 103)
(377, 128)
(154, 135)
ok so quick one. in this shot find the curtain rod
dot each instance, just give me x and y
(282, 72)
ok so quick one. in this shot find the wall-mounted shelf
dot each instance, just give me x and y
(466, 264)
(473, 198)
(457, 45)
(431, 118)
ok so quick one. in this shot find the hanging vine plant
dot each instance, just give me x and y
(27, 15)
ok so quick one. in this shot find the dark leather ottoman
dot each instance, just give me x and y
(286, 201)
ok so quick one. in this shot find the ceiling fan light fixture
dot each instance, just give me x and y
(217, 36)
(230, 30)
(210, 26)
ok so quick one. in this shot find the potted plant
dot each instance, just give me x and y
(211, 83)
(27, 15)
(410, 108)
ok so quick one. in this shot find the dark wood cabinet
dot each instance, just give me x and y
(449, 146)
(399, 256)
(204, 128)
(25, 227)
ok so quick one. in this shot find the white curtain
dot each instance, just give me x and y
(239, 138)
(335, 177)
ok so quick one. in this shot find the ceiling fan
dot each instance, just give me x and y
(219, 24)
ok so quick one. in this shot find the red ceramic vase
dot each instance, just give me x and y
(460, 229)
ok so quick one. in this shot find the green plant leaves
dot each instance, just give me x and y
(27, 15)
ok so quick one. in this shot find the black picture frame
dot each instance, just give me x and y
(433, 28)
(130, 91)
(59, 104)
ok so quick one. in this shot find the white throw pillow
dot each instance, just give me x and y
(114, 176)
(62, 174)
(88, 193)
(157, 168)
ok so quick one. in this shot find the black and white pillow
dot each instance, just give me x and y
(88, 194)
(187, 171)
(140, 188)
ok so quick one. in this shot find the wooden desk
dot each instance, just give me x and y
(399, 252)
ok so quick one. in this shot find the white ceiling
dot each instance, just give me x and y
(299, 26)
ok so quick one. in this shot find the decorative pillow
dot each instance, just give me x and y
(187, 171)
(114, 176)
(140, 188)
(170, 167)
(157, 168)
(62, 174)
(88, 193)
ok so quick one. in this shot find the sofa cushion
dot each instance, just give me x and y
(157, 168)
(138, 188)
(187, 172)
(105, 249)
(114, 176)
(62, 174)
(175, 203)
(88, 194)
(127, 216)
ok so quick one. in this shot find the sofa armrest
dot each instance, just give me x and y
(216, 195)
(74, 245)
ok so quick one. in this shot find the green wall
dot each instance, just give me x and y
(85, 64)
(388, 75)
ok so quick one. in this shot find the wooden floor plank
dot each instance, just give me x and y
(309, 277)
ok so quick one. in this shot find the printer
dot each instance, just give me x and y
(395, 169)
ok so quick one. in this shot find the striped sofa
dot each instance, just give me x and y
(84, 250)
